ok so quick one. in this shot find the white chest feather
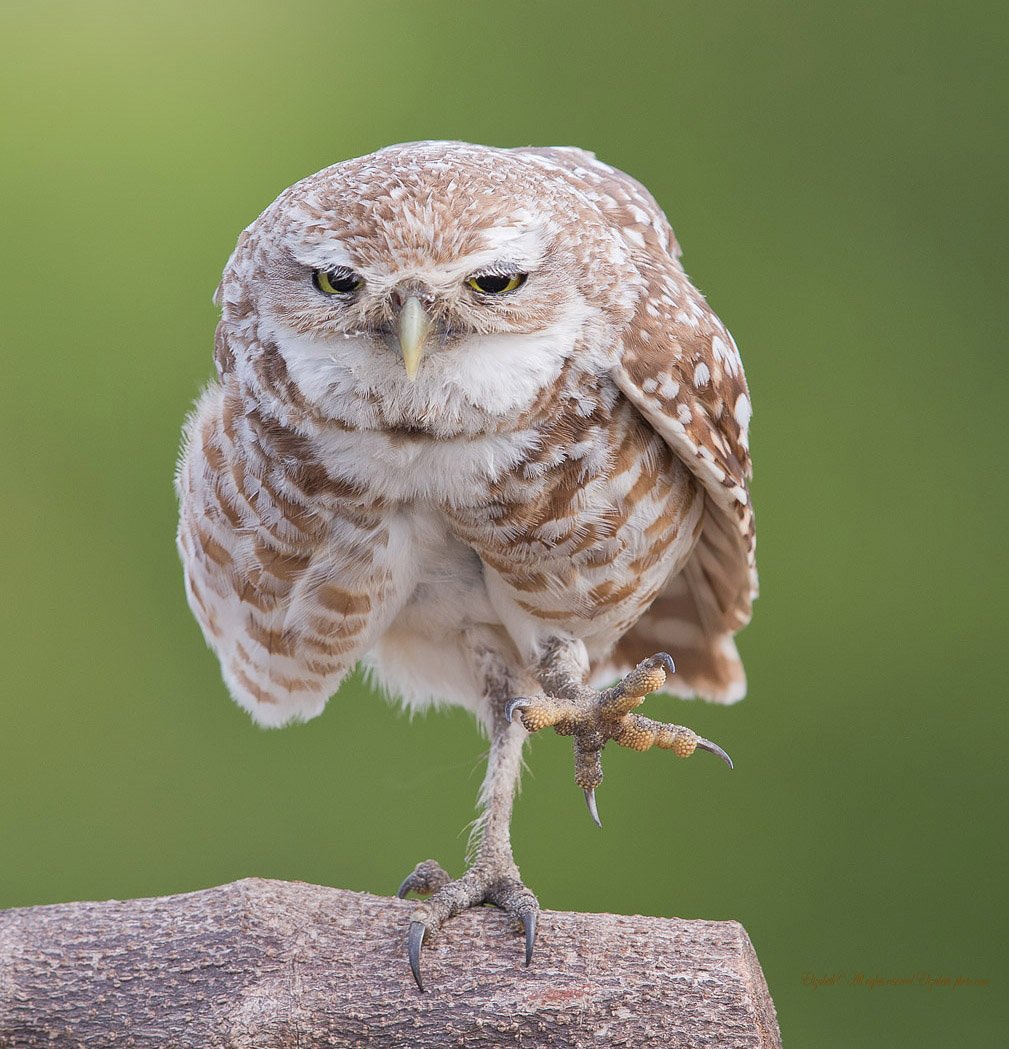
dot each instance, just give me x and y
(409, 468)
(423, 657)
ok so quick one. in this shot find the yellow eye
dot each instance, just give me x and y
(496, 283)
(336, 282)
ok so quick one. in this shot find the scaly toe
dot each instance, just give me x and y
(596, 717)
(518, 901)
(427, 877)
(542, 712)
(476, 886)
(648, 676)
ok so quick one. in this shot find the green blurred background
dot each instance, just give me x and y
(836, 174)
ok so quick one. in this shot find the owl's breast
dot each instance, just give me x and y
(404, 466)
(583, 534)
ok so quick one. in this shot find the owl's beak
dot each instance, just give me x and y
(413, 326)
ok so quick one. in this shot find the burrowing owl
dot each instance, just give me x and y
(474, 427)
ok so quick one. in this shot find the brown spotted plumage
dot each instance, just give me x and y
(473, 427)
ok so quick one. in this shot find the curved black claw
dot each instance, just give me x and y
(405, 886)
(515, 704)
(529, 923)
(714, 748)
(414, 940)
(666, 660)
(590, 800)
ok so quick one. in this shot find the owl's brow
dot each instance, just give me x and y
(493, 260)
(526, 241)
(501, 267)
(330, 253)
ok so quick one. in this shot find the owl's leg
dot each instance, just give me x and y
(596, 716)
(493, 876)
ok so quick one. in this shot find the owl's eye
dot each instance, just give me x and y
(496, 283)
(336, 282)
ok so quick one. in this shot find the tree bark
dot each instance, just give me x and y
(271, 965)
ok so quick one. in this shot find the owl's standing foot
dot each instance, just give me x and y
(594, 717)
(427, 877)
(494, 877)
(493, 880)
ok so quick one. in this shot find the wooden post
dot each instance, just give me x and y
(271, 965)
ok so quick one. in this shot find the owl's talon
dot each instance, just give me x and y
(714, 748)
(529, 923)
(414, 941)
(495, 882)
(521, 703)
(596, 717)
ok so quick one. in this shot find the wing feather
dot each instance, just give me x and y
(261, 531)
(680, 368)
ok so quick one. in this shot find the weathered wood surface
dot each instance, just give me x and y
(271, 965)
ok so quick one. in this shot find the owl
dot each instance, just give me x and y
(472, 428)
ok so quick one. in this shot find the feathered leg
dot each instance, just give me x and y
(493, 876)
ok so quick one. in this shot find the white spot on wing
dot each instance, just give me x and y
(743, 411)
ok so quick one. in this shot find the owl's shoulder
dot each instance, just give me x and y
(624, 201)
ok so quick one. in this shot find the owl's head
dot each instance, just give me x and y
(430, 285)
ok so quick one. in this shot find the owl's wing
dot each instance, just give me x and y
(680, 368)
(288, 588)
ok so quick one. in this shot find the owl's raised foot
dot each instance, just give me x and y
(498, 884)
(607, 716)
